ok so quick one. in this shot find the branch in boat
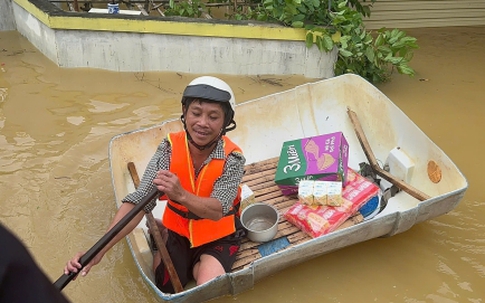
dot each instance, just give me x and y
(375, 165)
(152, 224)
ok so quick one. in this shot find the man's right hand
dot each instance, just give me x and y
(74, 266)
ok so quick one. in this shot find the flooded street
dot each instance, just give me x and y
(55, 126)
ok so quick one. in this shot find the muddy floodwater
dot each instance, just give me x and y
(56, 193)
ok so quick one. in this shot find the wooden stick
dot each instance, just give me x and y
(157, 7)
(375, 165)
(142, 9)
(155, 232)
(110, 235)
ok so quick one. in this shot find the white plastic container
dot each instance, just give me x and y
(113, 8)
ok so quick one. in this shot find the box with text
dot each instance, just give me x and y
(323, 157)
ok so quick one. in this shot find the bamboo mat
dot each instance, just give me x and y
(260, 179)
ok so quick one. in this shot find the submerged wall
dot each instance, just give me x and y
(7, 20)
(139, 43)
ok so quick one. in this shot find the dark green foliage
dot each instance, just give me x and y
(192, 9)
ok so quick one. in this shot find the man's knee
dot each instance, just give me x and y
(207, 269)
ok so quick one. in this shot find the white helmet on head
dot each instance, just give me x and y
(210, 88)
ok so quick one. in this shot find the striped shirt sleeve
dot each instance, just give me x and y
(159, 161)
(225, 187)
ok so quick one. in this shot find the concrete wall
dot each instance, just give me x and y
(40, 35)
(192, 54)
(137, 43)
(7, 21)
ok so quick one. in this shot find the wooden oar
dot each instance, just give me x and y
(93, 251)
(152, 224)
(375, 165)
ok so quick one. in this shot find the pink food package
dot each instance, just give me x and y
(320, 220)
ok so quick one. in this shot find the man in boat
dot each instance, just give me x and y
(199, 170)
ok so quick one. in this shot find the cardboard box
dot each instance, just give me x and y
(324, 157)
(247, 197)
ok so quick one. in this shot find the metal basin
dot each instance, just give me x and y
(261, 221)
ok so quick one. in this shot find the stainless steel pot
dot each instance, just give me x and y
(261, 221)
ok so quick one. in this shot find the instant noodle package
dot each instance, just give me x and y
(320, 220)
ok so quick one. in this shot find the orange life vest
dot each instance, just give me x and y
(178, 218)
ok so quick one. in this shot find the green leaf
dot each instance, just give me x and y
(384, 49)
(319, 44)
(342, 4)
(336, 37)
(405, 70)
(395, 60)
(297, 24)
(410, 41)
(343, 41)
(345, 53)
(327, 42)
(369, 53)
(309, 39)
(379, 41)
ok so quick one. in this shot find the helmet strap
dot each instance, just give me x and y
(229, 127)
(201, 147)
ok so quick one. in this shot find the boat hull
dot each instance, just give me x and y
(307, 110)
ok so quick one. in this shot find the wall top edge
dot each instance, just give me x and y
(56, 18)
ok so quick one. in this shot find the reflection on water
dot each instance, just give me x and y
(55, 127)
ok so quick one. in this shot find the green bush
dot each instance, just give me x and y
(372, 55)
(339, 24)
(191, 9)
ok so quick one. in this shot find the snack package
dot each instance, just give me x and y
(334, 193)
(316, 193)
(323, 157)
(320, 193)
(247, 197)
(305, 192)
(320, 220)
